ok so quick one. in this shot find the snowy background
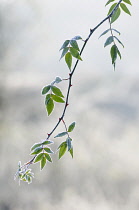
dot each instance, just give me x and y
(104, 173)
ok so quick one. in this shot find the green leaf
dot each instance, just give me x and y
(119, 41)
(58, 80)
(116, 15)
(50, 106)
(113, 53)
(29, 180)
(61, 134)
(68, 59)
(125, 9)
(48, 96)
(47, 149)
(104, 32)
(30, 174)
(57, 99)
(62, 150)
(47, 142)
(37, 151)
(28, 171)
(35, 146)
(57, 91)
(43, 162)
(46, 89)
(65, 44)
(71, 151)
(109, 40)
(108, 2)
(111, 8)
(74, 44)
(75, 53)
(24, 177)
(119, 53)
(63, 143)
(68, 140)
(48, 157)
(116, 31)
(127, 1)
(38, 158)
(77, 38)
(108, 31)
(71, 127)
(65, 50)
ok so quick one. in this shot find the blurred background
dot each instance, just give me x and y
(104, 173)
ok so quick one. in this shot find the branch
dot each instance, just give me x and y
(74, 68)
(23, 172)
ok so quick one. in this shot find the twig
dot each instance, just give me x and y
(72, 72)
(74, 68)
